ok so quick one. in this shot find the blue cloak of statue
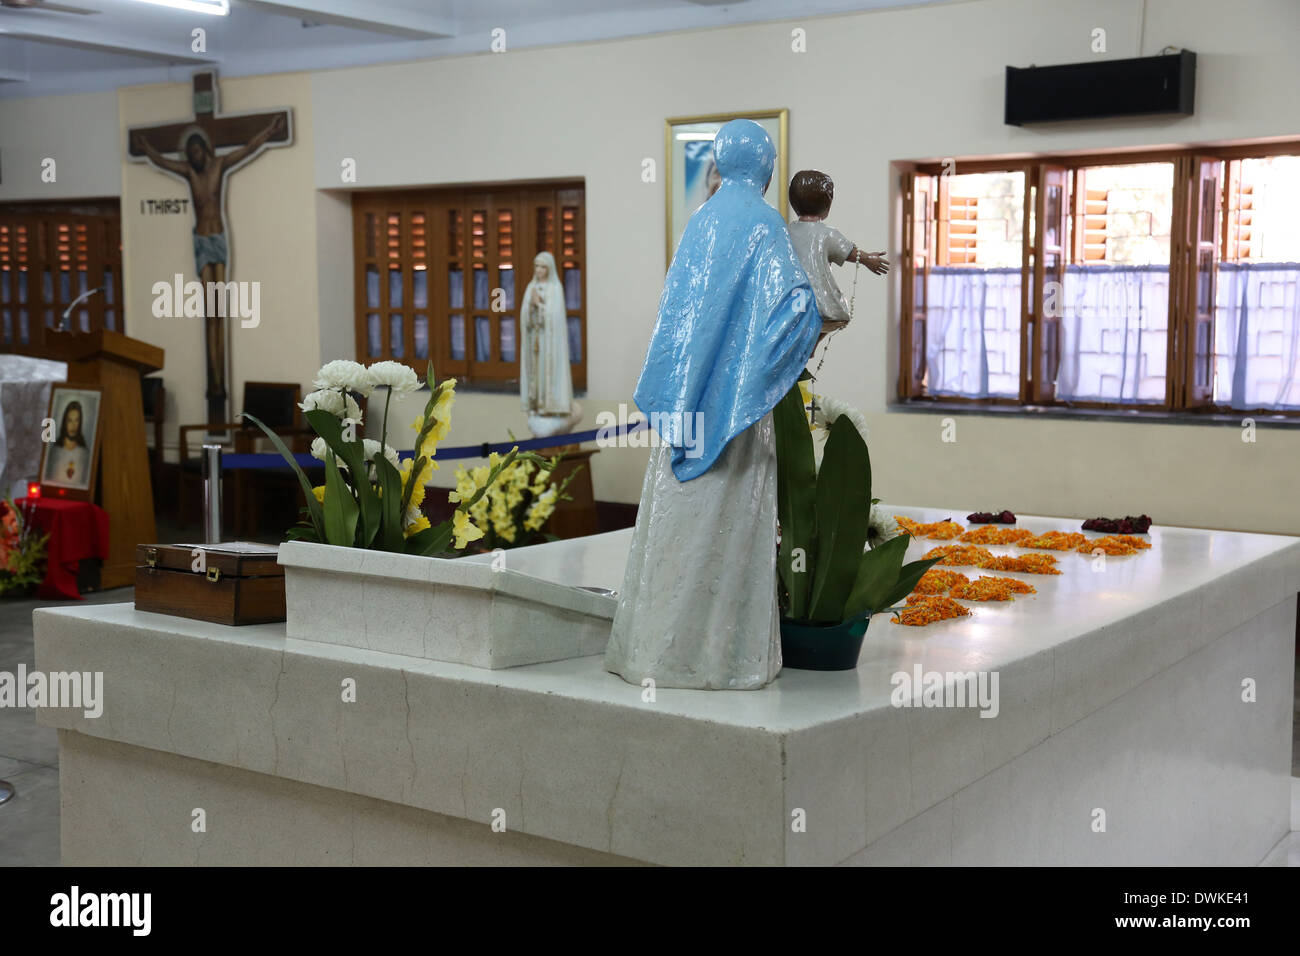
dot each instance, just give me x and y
(737, 319)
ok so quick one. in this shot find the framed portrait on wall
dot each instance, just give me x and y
(70, 454)
(692, 176)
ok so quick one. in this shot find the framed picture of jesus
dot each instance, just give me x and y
(70, 454)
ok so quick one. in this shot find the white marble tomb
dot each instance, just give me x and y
(1119, 690)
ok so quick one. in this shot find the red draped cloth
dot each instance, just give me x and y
(77, 530)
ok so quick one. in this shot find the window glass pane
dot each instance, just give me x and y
(482, 293)
(506, 275)
(575, 339)
(49, 319)
(507, 338)
(573, 288)
(458, 337)
(421, 336)
(395, 342)
(47, 285)
(420, 290)
(374, 340)
(24, 327)
(4, 285)
(7, 325)
(456, 288)
(82, 281)
(110, 320)
(22, 285)
(372, 287)
(109, 290)
(394, 288)
(482, 338)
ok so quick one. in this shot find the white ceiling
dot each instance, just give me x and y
(127, 42)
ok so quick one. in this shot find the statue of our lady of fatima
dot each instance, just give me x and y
(737, 322)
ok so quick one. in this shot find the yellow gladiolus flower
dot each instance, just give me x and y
(417, 526)
(319, 493)
(463, 529)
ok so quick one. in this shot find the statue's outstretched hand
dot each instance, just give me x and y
(877, 262)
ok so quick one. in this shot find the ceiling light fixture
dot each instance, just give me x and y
(218, 8)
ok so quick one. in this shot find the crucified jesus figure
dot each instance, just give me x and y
(205, 172)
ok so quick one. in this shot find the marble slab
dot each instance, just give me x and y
(488, 613)
(1120, 684)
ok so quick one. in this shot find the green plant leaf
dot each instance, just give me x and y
(908, 575)
(796, 483)
(353, 454)
(313, 506)
(843, 513)
(340, 508)
(430, 541)
(877, 577)
(391, 537)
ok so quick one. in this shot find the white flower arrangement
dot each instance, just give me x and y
(398, 378)
(881, 527)
(335, 402)
(347, 375)
(829, 409)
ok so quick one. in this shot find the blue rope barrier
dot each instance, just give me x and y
(268, 461)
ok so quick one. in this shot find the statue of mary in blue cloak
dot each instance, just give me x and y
(737, 323)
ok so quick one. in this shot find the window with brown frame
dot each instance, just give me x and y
(1167, 280)
(440, 272)
(51, 254)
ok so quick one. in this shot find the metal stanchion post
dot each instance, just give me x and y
(211, 494)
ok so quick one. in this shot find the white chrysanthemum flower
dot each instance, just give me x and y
(400, 379)
(335, 402)
(881, 526)
(319, 450)
(342, 373)
(830, 409)
(372, 448)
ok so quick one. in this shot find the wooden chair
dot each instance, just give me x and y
(154, 397)
(276, 405)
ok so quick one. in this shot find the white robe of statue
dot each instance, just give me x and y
(545, 383)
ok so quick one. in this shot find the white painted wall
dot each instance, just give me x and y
(873, 88)
(79, 132)
(911, 84)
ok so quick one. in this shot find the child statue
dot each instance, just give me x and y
(818, 245)
(737, 321)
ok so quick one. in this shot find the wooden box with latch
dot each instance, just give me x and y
(230, 583)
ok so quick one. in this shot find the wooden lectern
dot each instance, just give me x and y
(115, 362)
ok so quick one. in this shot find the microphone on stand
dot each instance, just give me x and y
(67, 313)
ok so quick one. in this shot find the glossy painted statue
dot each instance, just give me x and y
(737, 322)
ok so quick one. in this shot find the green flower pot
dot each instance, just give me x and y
(822, 647)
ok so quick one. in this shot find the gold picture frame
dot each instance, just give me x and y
(682, 188)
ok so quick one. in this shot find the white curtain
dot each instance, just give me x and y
(973, 332)
(1114, 334)
(1257, 335)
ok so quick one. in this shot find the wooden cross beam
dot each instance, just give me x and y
(222, 131)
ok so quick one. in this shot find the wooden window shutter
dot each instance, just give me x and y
(919, 197)
(1202, 231)
(1238, 213)
(1046, 301)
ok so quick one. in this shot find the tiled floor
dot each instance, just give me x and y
(29, 754)
(29, 757)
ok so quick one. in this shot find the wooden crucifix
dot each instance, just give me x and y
(208, 148)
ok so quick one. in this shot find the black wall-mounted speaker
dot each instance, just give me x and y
(1102, 89)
